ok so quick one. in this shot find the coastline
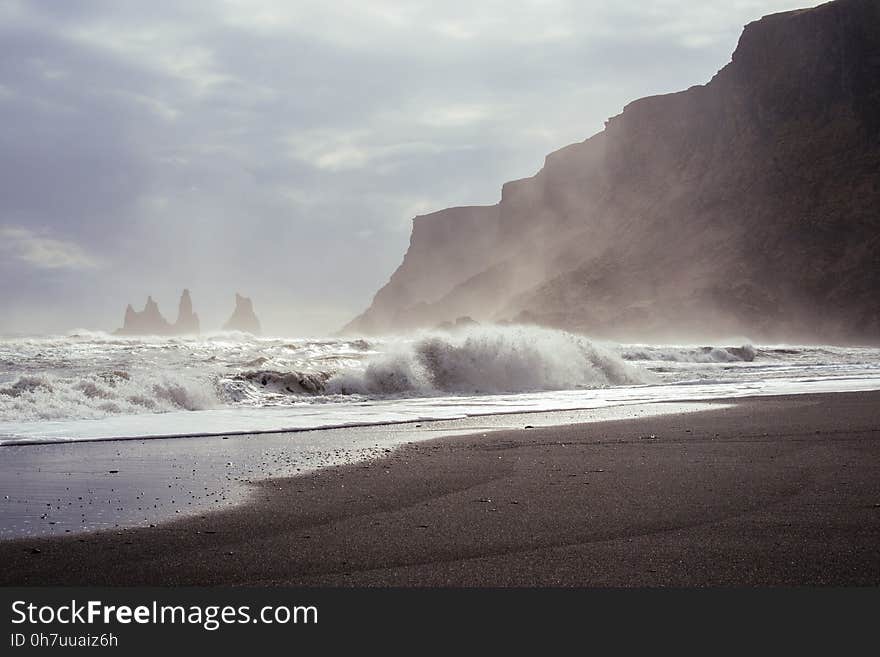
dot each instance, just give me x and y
(72, 487)
(766, 491)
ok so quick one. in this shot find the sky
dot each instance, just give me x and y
(281, 148)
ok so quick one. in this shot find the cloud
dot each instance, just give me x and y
(339, 152)
(459, 115)
(210, 144)
(43, 252)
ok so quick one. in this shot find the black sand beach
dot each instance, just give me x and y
(770, 491)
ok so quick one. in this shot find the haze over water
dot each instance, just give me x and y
(97, 386)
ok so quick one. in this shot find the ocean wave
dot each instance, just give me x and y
(92, 375)
(479, 360)
(295, 383)
(162, 377)
(745, 353)
(486, 360)
(101, 394)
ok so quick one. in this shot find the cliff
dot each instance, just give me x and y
(748, 205)
(243, 317)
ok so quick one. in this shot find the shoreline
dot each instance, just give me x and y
(767, 491)
(25, 442)
(383, 412)
(77, 487)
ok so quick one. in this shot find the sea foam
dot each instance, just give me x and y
(48, 396)
(486, 360)
(87, 376)
(745, 353)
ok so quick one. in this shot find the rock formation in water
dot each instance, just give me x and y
(243, 317)
(150, 321)
(746, 206)
(187, 321)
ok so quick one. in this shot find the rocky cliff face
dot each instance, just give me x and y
(243, 317)
(746, 206)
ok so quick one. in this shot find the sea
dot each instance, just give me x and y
(87, 386)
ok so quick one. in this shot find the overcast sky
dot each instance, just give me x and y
(280, 148)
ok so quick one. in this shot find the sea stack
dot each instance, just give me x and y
(149, 321)
(187, 321)
(243, 317)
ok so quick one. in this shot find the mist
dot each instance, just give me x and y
(526, 294)
(281, 150)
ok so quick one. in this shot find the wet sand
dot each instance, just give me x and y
(769, 491)
(74, 487)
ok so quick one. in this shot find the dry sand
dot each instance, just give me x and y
(771, 491)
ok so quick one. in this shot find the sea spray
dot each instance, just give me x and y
(91, 375)
(487, 360)
(50, 396)
(745, 353)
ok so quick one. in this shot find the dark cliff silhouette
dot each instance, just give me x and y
(243, 317)
(745, 206)
(150, 321)
(187, 320)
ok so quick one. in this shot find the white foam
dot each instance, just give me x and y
(677, 354)
(48, 396)
(92, 385)
(307, 416)
(487, 360)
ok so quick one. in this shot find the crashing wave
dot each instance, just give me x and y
(52, 397)
(481, 360)
(485, 360)
(296, 383)
(745, 353)
(161, 375)
(94, 376)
